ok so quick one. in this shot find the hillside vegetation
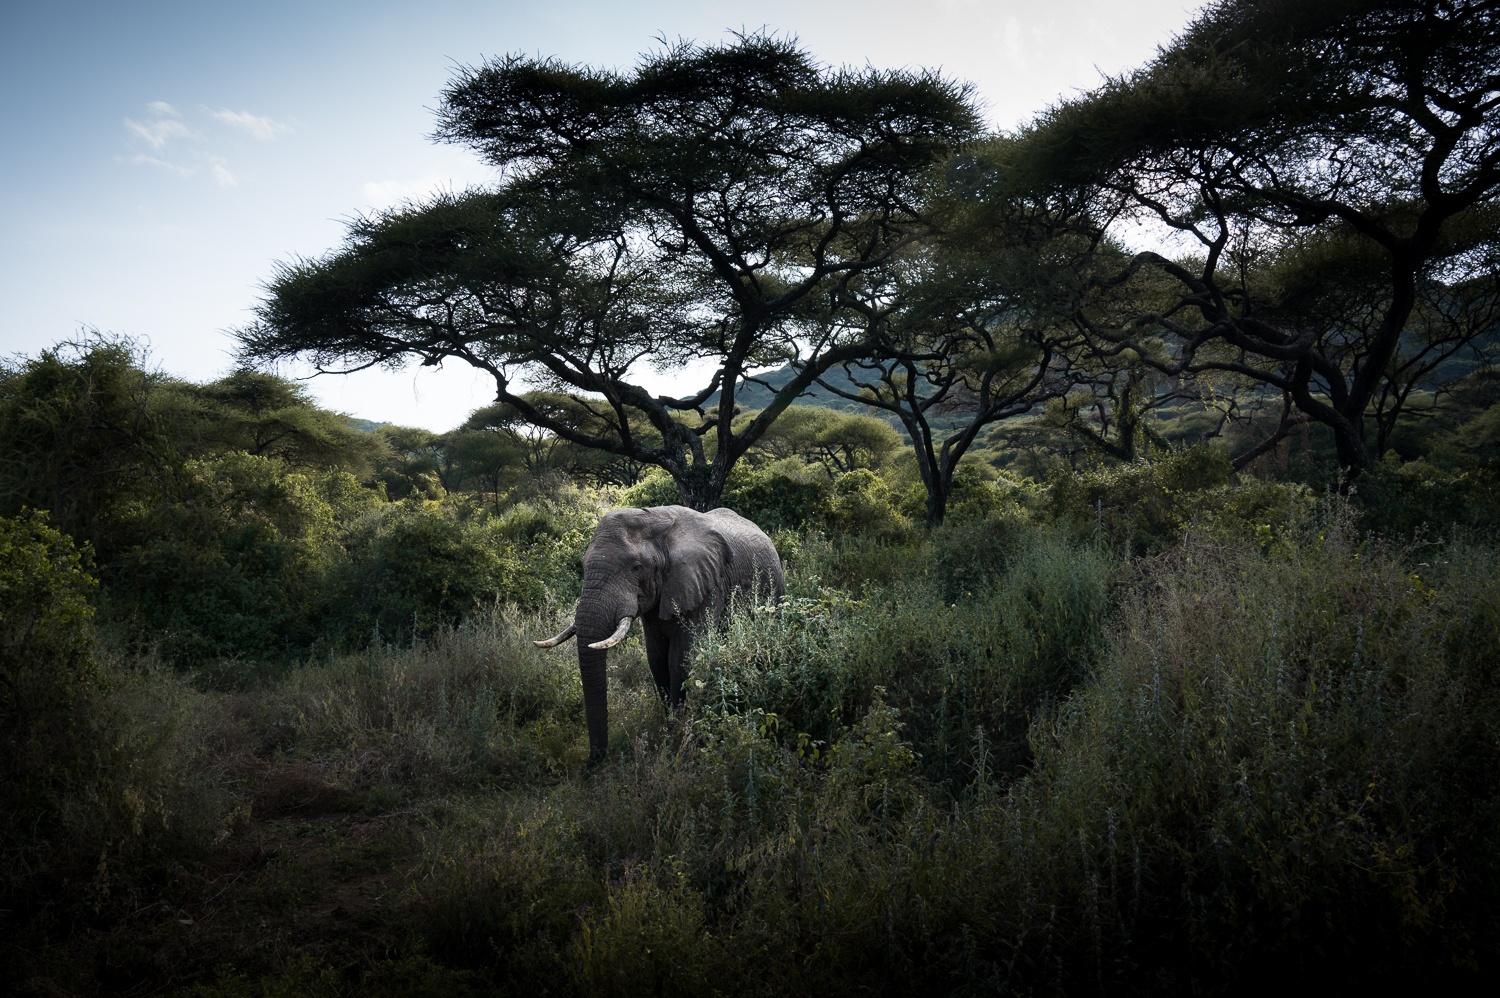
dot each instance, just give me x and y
(1153, 726)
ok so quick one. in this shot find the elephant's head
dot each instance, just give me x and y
(666, 561)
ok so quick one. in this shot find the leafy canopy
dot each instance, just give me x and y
(688, 210)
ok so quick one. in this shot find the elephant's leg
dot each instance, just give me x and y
(656, 654)
(678, 647)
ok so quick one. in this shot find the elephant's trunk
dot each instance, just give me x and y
(598, 624)
(595, 699)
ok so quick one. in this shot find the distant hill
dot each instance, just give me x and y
(759, 396)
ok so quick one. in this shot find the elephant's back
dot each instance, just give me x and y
(754, 554)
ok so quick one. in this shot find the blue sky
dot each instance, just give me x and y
(159, 158)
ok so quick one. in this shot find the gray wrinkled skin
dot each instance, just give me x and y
(676, 570)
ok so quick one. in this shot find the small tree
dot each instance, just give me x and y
(683, 212)
(268, 416)
(965, 339)
(837, 441)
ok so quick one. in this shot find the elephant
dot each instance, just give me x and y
(677, 570)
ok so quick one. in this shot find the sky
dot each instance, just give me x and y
(158, 159)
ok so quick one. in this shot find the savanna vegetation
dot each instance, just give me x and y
(1143, 609)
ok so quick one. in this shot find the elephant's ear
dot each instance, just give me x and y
(698, 559)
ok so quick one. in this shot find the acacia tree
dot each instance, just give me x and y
(836, 440)
(682, 212)
(964, 335)
(1276, 130)
(541, 451)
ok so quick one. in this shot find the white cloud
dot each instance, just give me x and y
(156, 133)
(144, 160)
(382, 193)
(256, 125)
(162, 109)
(222, 175)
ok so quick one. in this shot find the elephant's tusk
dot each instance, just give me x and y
(565, 635)
(616, 637)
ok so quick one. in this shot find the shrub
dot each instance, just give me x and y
(1277, 761)
(773, 501)
(1141, 507)
(656, 489)
(234, 568)
(469, 704)
(863, 503)
(100, 776)
(1398, 498)
(414, 567)
(49, 680)
(986, 657)
(644, 939)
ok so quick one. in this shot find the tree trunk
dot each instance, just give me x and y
(701, 485)
(937, 499)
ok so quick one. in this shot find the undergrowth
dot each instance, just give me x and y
(995, 757)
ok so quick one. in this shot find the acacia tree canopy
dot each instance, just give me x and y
(684, 211)
(1269, 127)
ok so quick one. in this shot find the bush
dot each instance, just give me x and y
(1140, 507)
(1276, 764)
(863, 503)
(49, 681)
(100, 780)
(450, 711)
(235, 567)
(948, 660)
(414, 567)
(773, 501)
(644, 939)
(1398, 498)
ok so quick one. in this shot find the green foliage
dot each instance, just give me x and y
(948, 659)
(1399, 498)
(644, 939)
(771, 499)
(475, 703)
(861, 502)
(98, 779)
(235, 568)
(656, 489)
(1268, 764)
(82, 433)
(774, 501)
(872, 764)
(1279, 747)
(48, 677)
(1024, 768)
(1141, 507)
(267, 416)
(412, 567)
(835, 440)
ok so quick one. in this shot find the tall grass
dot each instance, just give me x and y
(989, 758)
(979, 627)
(1273, 766)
